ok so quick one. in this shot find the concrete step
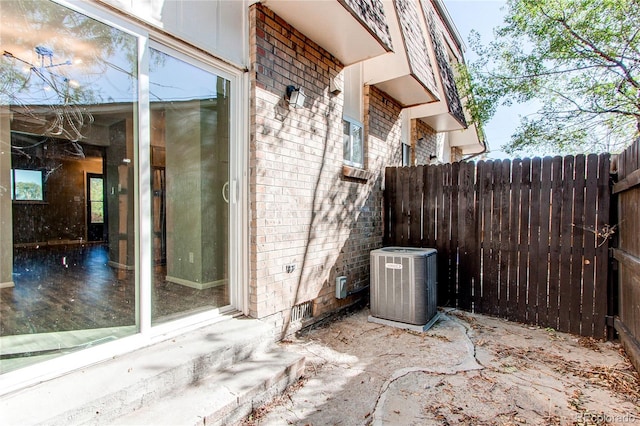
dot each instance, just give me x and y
(105, 392)
(226, 397)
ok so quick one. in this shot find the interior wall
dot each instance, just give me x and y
(184, 187)
(6, 221)
(120, 194)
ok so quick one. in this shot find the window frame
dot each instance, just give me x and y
(352, 125)
(41, 200)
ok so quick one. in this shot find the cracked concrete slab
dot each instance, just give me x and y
(467, 369)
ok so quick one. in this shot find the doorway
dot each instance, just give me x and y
(96, 213)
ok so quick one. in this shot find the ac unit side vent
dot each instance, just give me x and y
(302, 311)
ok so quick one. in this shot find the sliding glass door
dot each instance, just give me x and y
(80, 99)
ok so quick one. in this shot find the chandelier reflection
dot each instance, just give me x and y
(48, 98)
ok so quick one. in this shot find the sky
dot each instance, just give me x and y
(483, 16)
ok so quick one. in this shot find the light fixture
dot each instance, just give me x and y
(68, 118)
(296, 96)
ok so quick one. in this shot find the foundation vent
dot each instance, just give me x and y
(302, 311)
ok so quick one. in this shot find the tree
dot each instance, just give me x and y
(579, 58)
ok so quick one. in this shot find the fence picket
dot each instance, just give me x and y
(504, 245)
(589, 241)
(466, 271)
(492, 280)
(575, 288)
(440, 240)
(454, 241)
(514, 226)
(543, 242)
(523, 246)
(389, 201)
(534, 241)
(430, 207)
(415, 205)
(481, 190)
(553, 310)
(602, 249)
(566, 230)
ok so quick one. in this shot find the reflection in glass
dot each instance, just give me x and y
(27, 185)
(190, 167)
(356, 143)
(96, 200)
(67, 99)
(346, 140)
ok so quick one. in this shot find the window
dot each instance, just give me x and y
(96, 200)
(405, 137)
(27, 185)
(406, 155)
(352, 141)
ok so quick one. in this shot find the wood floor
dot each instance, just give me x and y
(63, 289)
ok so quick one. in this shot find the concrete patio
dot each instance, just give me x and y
(467, 369)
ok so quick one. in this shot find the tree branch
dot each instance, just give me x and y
(595, 49)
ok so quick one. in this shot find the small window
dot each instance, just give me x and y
(96, 199)
(406, 155)
(405, 138)
(27, 185)
(353, 144)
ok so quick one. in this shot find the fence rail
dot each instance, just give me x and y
(525, 240)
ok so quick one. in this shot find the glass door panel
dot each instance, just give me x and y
(190, 160)
(67, 101)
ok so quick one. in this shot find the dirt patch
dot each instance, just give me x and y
(468, 369)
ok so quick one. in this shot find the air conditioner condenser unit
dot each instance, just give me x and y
(403, 286)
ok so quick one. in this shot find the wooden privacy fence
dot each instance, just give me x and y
(627, 192)
(524, 240)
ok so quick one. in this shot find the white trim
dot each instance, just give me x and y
(239, 214)
(353, 92)
(237, 171)
(143, 195)
(129, 19)
(7, 284)
(195, 58)
(103, 15)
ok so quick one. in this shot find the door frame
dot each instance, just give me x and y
(90, 176)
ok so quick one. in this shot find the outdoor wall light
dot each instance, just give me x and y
(296, 96)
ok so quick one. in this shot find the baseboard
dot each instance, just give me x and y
(7, 284)
(194, 284)
(122, 266)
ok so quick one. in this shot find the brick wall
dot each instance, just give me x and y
(303, 211)
(424, 142)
